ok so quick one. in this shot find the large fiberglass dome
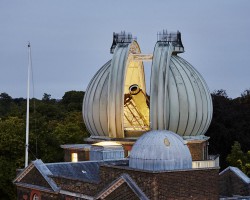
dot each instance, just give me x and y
(116, 104)
(159, 151)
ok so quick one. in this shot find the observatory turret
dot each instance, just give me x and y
(116, 104)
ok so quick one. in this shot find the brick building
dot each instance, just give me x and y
(159, 167)
(113, 180)
(169, 164)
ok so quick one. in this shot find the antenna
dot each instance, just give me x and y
(28, 109)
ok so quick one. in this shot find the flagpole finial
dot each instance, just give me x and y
(28, 44)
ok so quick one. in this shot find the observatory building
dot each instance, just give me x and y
(142, 145)
(117, 107)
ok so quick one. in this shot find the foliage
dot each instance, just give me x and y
(12, 133)
(5, 104)
(245, 96)
(52, 123)
(73, 100)
(238, 158)
(230, 123)
(55, 122)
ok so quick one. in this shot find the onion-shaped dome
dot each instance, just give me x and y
(159, 151)
(116, 105)
(180, 100)
(95, 106)
(104, 112)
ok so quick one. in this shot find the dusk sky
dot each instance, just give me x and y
(70, 40)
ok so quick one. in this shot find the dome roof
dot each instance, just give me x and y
(159, 151)
(95, 104)
(103, 104)
(180, 100)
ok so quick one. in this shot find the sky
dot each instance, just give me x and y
(70, 40)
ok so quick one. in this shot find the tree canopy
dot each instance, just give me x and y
(55, 122)
(52, 123)
(231, 122)
(238, 158)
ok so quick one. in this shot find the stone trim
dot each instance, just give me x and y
(75, 194)
(23, 173)
(124, 178)
(35, 187)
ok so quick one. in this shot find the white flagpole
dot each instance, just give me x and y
(28, 109)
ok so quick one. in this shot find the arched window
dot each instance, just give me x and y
(35, 197)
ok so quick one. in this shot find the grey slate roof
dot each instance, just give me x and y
(45, 173)
(237, 172)
(85, 171)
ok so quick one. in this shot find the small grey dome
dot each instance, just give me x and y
(160, 150)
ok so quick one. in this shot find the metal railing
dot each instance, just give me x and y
(121, 37)
(171, 37)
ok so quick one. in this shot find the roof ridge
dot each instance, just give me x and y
(123, 178)
(45, 172)
(238, 173)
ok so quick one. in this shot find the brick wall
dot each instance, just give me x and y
(146, 181)
(35, 178)
(191, 184)
(230, 185)
(123, 192)
(90, 189)
(196, 149)
(27, 194)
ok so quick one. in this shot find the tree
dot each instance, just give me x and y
(12, 137)
(220, 93)
(246, 93)
(52, 123)
(46, 97)
(238, 158)
(245, 96)
(72, 130)
(5, 104)
(73, 100)
(4, 96)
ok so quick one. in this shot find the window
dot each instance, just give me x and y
(166, 142)
(74, 157)
(35, 197)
